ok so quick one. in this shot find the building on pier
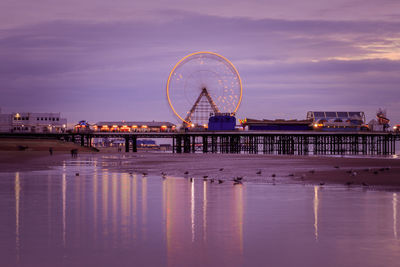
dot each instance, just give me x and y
(337, 120)
(133, 126)
(32, 122)
(277, 125)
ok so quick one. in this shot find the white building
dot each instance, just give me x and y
(30, 122)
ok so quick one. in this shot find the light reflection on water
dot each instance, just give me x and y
(55, 218)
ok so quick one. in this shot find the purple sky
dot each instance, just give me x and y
(109, 60)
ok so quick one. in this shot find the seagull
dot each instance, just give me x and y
(221, 169)
(259, 172)
(376, 172)
(349, 183)
(212, 180)
(388, 168)
(291, 174)
(336, 167)
(273, 175)
(77, 174)
(205, 176)
(321, 183)
(364, 184)
(220, 181)
(186, 172)
(237, 182)
(144, 173)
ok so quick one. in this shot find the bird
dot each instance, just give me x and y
(336, 167)
(312, 171)
(144, 173)
(212, 180)
(205, 176)
(388, 168)
(376, 172)
(350, 171)
(364, 184)
(220, 181)
(186, 172)
(291, 174)
(258, 172)
(221, 169)
(238, 179)
(321, 183)
(205, 179)
(354, 173)
(77, 174)
(237, 182)
(273, 175)
(349, 183)
(130, 173)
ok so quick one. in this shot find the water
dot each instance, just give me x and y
(99, 218)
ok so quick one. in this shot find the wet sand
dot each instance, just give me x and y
(366, 172)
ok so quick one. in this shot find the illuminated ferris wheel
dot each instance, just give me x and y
(203, 83)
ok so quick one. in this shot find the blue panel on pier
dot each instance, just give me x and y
(279, 127)
(221, 123)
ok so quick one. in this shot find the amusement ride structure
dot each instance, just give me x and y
(201, 84)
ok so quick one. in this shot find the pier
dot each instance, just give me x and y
(247, 142)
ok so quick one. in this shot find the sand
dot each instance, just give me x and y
(365, 172)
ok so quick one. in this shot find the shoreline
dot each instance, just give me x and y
(279, 169)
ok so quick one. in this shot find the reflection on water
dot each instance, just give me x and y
(99, 218)
(395, 215)
(316, 200)
(17, 189)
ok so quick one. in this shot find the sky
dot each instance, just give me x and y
(110, 60)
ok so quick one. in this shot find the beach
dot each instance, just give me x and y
(323, 170)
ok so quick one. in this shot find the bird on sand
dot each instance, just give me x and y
(77, 174)
(144, 173)
(205, 176)
(212, 180)
(291, 174)
(237, 182)
(321, 183)
(186, 172)
(376, 172)
(364, 184)
(273, 175)
(336, 167)
(349, 183)
(221, 169)
(258, 172)
(220, 181)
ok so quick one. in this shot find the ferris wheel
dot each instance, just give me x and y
(202, 83)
